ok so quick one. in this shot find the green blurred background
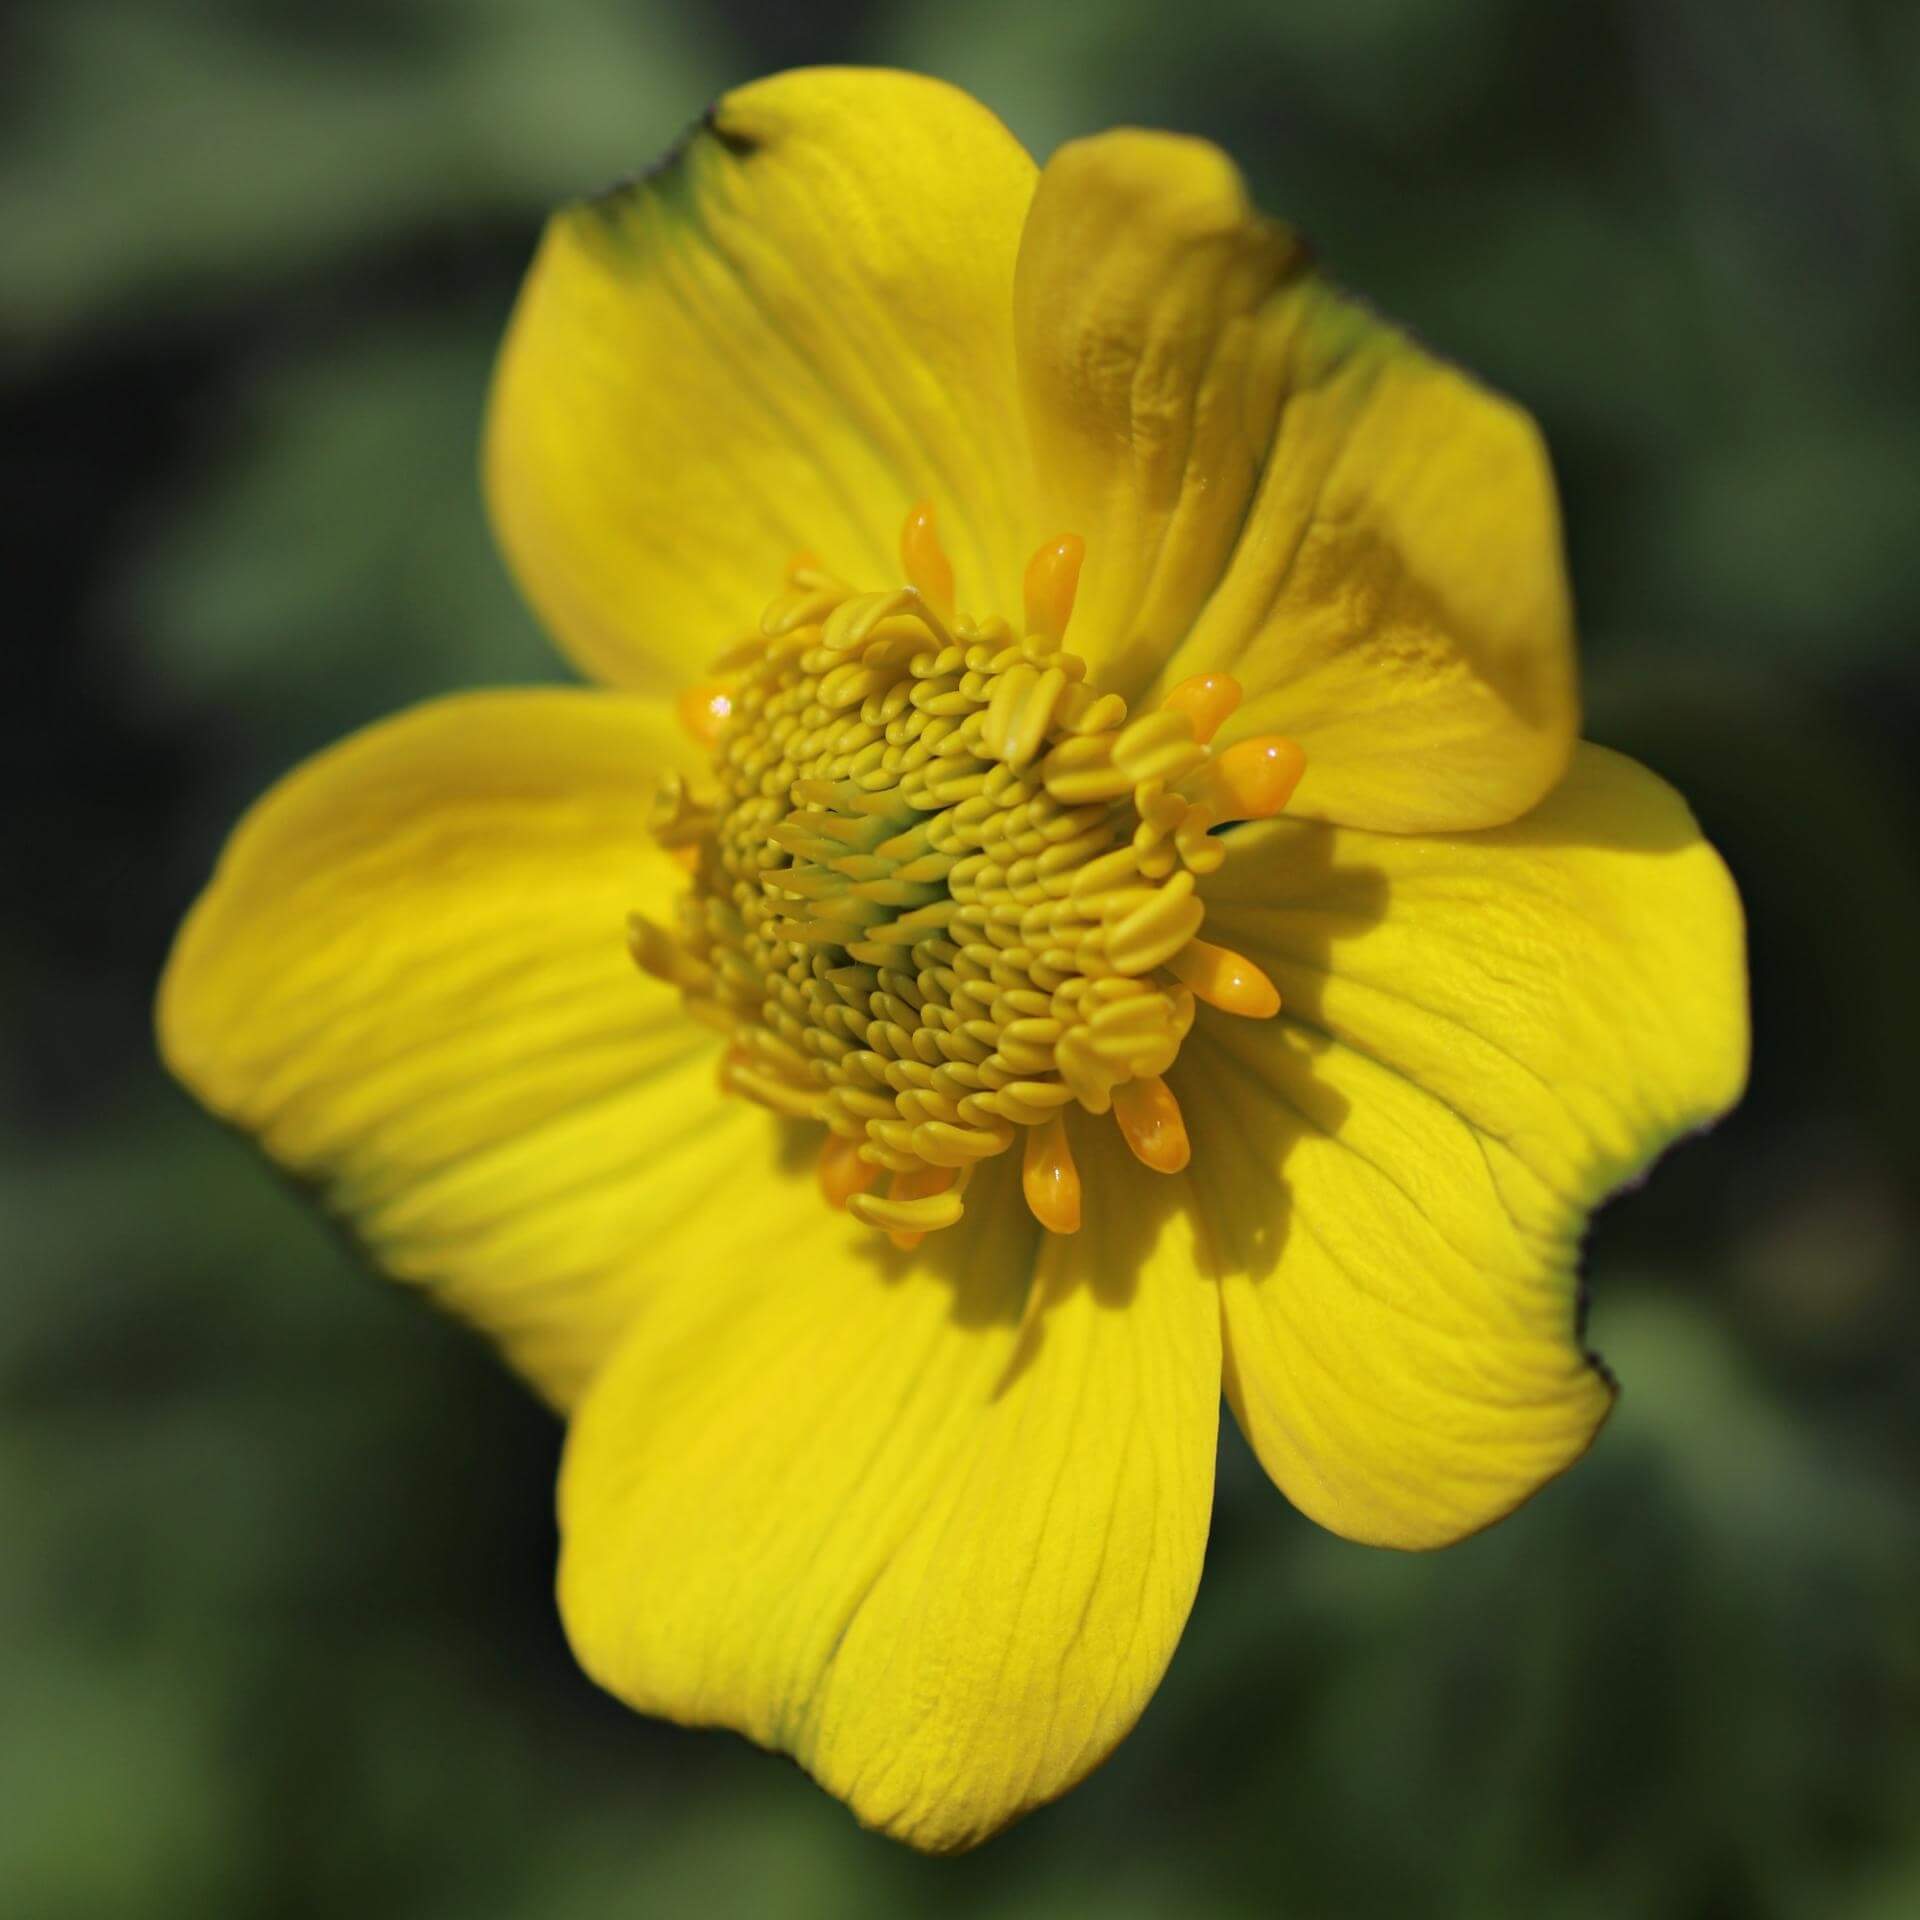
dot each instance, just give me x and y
(276, 1633)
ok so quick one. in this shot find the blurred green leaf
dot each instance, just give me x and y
(172, 153)
(338, 564)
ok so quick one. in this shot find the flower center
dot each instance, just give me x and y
(944, 892)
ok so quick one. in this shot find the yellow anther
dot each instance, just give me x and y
(843, 1172)
(1208, 700)
(1149, 1118)
(1150, 934)
(1225, 979)
(704, 709)
(942, 892)
(1252, 780)
(1157, 746)
(916, 1202)
(740, 1073)
(1053, 578)
(657, 952)
(925, 559)
(1049, 1178)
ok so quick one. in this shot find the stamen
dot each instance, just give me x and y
(1053, 578)
(1150, 1120)
(925, 560)
(1225, 979)
(740, 1073)
(704, 709)
(844, 1171)
(1208, 699)
(1252, 780)
(943, 890)
(917, 1201)
(1049, 1178)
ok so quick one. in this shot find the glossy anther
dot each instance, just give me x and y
(1053, 578)
(1049, 1177)
(1225, 979)
(1252, 780)
(1151, 1123)
(704, 708)
(946, 888)
(1207, 699)
(925, 560)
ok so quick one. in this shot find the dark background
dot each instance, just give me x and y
(275, 1544)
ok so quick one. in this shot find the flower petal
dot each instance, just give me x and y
(1480, 1038)
(782, 338)
(931, 1526)
(1274, 484)
(409, 980)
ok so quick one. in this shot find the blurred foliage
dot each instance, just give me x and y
(275, 1622)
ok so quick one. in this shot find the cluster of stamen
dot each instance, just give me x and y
(944, 892)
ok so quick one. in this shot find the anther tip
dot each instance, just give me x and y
(1208, 700)
(1052, 581)
(1227, 980)
(1152, 1125)
(924, 559)
(1260, 998)
(1049, 1178)
(1254, 779)
(704, 709)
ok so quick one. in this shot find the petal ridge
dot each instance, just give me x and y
(408, 980)
(953, 1597)
(1481, 1036)
(1276, 484)
(778, 340)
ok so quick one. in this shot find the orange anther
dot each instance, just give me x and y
(917, 1185)
(925, 559)
(1251, 780)
(1149, 1118)
(704, 709)
(1225, 979)
(843, 1173)
(1049, 1178)
(805, 561)
(1207, 700)
(1053, 578)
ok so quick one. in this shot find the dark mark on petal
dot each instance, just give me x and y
(608, 200)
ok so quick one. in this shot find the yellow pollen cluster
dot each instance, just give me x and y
(944, 892)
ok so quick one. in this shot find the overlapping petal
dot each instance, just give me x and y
(931, 1525)
(1273, 483)
(409, 981)
(779, 340)
(932, 1522)
(1481, 1037)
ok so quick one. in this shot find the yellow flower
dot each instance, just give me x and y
(908, 1477)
